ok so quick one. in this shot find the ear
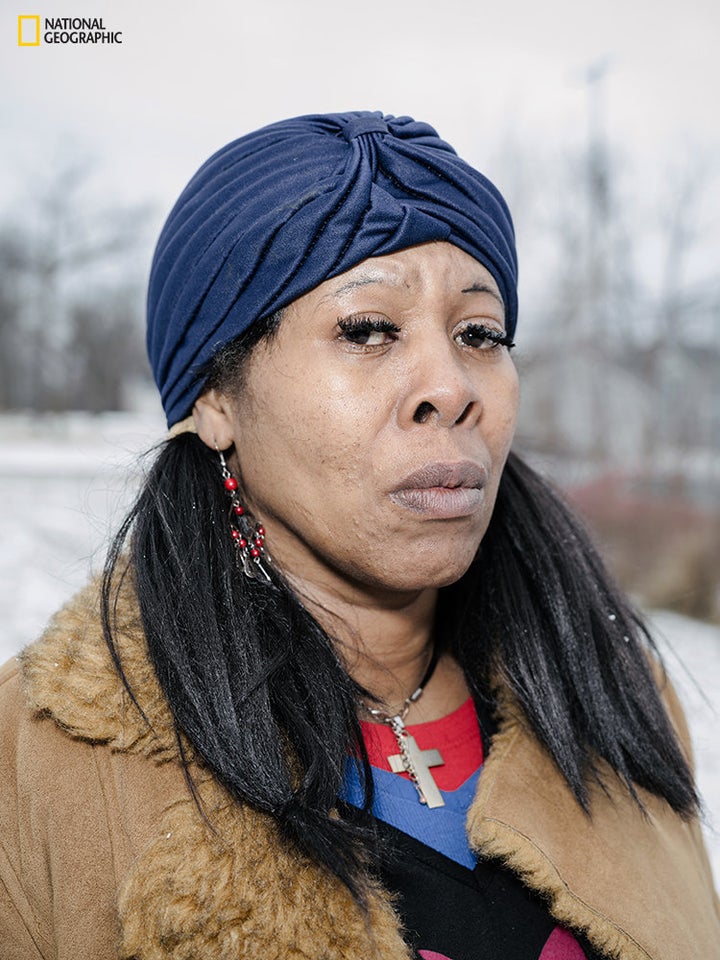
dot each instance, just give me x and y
(214, 420)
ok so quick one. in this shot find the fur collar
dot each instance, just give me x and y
(236, 890)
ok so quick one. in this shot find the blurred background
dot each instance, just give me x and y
(600, 126)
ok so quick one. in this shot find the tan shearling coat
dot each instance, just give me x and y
(103, 853)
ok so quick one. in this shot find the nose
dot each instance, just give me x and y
(441, 390)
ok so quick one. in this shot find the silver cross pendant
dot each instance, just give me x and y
(416, 763)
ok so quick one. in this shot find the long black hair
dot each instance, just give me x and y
(259, 689)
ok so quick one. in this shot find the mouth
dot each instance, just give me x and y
(443, 491)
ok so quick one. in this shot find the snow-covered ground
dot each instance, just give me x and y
(66, 482)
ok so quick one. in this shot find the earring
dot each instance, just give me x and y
(249, 539)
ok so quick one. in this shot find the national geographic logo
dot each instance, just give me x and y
(59, 31)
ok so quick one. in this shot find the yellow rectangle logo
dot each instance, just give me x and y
(28, 31)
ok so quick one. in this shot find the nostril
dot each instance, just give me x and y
(426, 409)
(464, 415)
(423, 412)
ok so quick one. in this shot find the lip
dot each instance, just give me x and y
(443, 490)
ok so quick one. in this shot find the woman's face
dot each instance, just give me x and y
(372, 429)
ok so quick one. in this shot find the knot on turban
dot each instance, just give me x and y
(273, 214)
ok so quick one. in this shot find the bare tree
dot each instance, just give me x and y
(68, 300)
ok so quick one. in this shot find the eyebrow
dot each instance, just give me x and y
(362, 280)
(481, 287)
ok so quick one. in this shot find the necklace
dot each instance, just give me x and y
(411, 759)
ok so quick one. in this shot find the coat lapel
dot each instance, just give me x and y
(635, 883)
(229, 887)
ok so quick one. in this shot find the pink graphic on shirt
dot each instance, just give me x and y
(561, 945)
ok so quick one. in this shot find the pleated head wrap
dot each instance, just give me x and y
(273, 214)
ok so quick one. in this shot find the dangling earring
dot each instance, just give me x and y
(249, 539)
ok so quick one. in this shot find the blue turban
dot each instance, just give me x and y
(273, 214)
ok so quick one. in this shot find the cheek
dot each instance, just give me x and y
(501, 409)
(305, 437)
(508, 403)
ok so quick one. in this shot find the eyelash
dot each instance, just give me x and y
(497, 338)
(359, 325)
(362, 325)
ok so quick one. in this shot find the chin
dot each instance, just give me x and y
(410, 574)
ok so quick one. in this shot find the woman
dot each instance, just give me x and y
(354, 683)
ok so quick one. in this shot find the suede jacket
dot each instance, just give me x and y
(103, 853)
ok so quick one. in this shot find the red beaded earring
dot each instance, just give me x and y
(249, 539)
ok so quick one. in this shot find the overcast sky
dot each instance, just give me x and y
(188, 78)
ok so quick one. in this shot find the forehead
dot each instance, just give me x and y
(437, 264)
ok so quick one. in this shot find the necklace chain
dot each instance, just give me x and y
(409, 701)
(413, 761)
(401, 735)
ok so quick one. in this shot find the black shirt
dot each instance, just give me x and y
(453, 913)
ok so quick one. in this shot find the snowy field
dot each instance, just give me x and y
(64, 486)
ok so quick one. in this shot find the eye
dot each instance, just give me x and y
(481, 337)
(367, 331)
